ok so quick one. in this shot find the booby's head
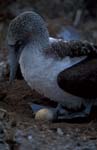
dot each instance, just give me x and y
(26, 28)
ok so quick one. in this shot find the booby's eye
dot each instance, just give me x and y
(18, 45)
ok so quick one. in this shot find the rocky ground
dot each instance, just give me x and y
(20, 131)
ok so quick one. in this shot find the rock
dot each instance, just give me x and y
(3, 113)
(3, 70)
(24, 141)
(30, 137)
(59, 131)
(2, 132)
(3, 144)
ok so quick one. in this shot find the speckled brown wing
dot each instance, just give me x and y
(63, 48)
(81, 79)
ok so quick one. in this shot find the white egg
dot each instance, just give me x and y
(45, 114)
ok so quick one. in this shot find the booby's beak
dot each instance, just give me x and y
(13, 60)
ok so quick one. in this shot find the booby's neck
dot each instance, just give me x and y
(32, 54)
(33, 62)
(38, 42)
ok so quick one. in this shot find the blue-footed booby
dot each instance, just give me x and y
(63, 71)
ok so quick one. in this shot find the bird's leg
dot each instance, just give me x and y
(88, 107)
(64, 114)
(60, 111)
(85, 113)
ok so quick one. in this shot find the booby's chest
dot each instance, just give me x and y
(39, 70)
(36, 65)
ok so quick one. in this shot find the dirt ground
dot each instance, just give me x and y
(20, 131)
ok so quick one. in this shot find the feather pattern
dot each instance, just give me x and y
(61, 48)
